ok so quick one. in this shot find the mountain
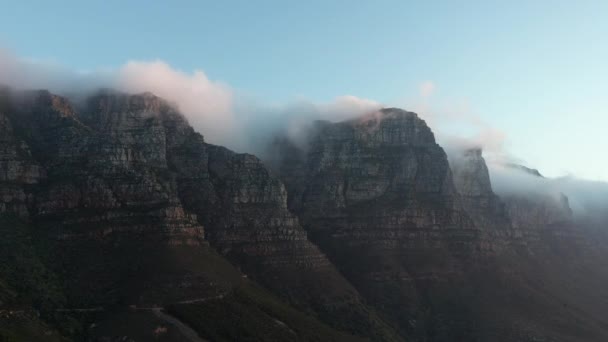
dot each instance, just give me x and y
(105, 186)
(428, 243)
(120, 221)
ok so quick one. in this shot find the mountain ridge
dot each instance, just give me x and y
(370, 231)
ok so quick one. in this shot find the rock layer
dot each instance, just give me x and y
(368, 224)
(123, 186)
(377, 195)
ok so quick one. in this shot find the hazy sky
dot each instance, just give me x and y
(537, 70)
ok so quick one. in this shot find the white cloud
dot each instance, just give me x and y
(208, 105)
(211, 107)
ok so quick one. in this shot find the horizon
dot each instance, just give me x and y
(524, 80)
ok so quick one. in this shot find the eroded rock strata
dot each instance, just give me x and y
(368, 228)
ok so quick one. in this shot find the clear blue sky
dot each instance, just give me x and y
(536, 69)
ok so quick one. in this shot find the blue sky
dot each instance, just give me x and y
(537, 70)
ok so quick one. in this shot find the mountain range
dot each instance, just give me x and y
(119, 222)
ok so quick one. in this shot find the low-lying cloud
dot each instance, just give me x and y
(587, 199)
(457, 130)
(226, 118)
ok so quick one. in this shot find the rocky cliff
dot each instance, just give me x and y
(377, 195)
(426, 241)
(537, 209)
(17, 167)
(122, 187)
(367, 232)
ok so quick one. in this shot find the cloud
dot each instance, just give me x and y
(212, 108)
(456, 126)
(226, 118)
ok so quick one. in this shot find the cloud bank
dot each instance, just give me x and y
(457, 129)
(225, 118)
(211, 107)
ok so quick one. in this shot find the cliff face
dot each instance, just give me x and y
(539, 214)
(386, 168)
(472, 182)
(244, 209)
(537, 209)
(17, 170)
(517, 217)
(377, 195)
(122, 186)
(107, 195)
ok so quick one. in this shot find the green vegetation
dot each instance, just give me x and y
(249, 313)
(28, 287)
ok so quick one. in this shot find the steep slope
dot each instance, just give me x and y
(115, 214)
(537, 213)
(546, 275)
(17, 167)
(116, 183)
(107, 199)
(430, 244)
(472, 181)
(377, 195)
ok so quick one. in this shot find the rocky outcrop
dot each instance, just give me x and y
(129, 187)
(539, 214)
(107, 205)
(387, 163)
(17, 167)
(472, 181)
(244, 209)
(369, 217)
(524, 219)
(377, 195)
(412, 231)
